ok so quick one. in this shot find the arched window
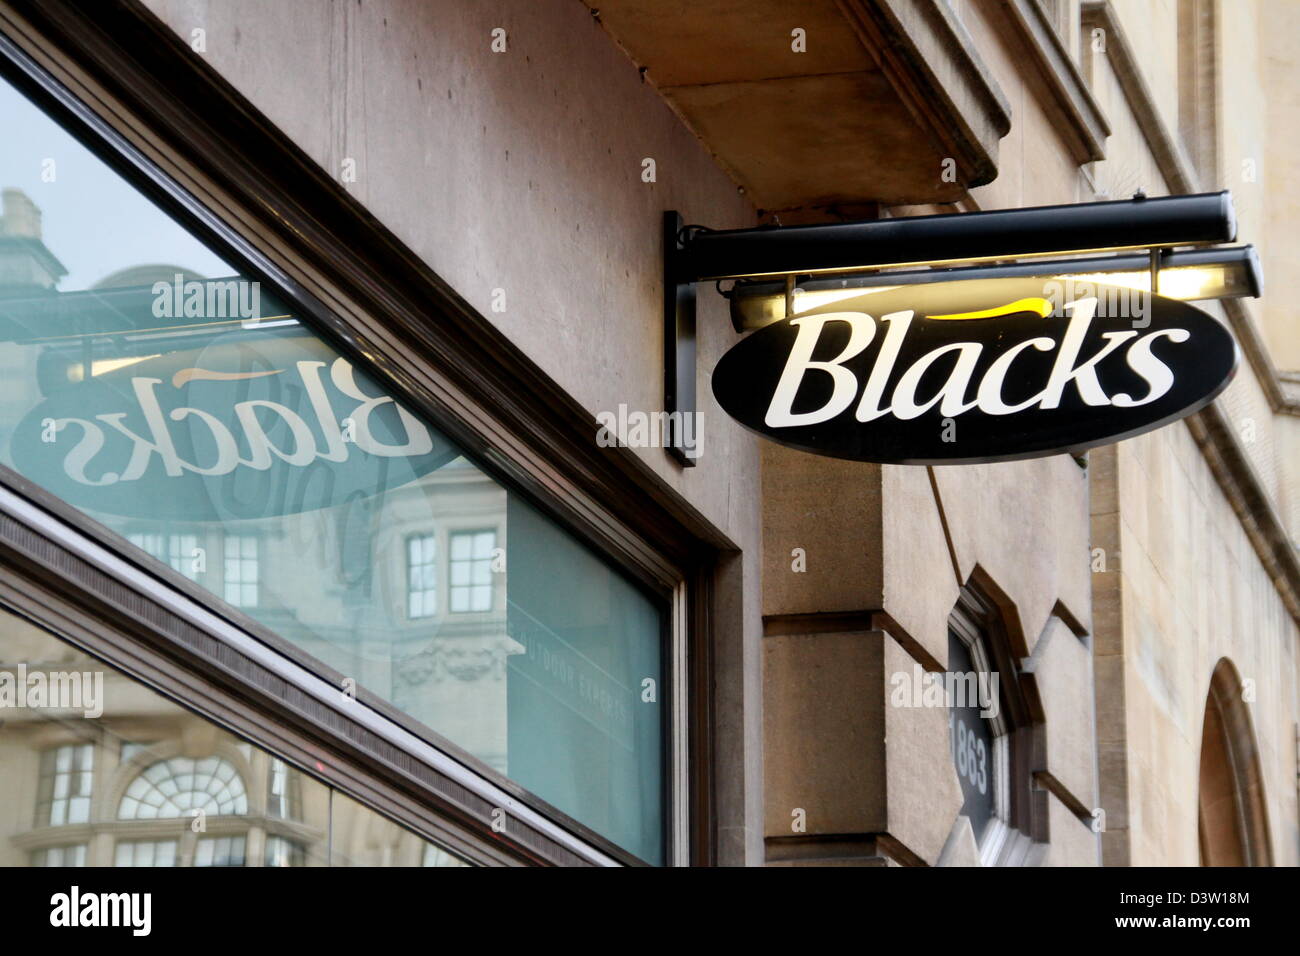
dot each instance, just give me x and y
(174, 787)
(991, 730)
(1232, 820)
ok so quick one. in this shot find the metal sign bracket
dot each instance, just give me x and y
(682, 436)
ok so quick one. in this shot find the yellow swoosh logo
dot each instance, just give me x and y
(187, 375)
(1035, 304)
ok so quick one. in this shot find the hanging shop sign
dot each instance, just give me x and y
(975, 371)
(247, 424)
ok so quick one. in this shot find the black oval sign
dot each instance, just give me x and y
(975, 371)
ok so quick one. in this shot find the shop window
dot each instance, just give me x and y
(149, 382)
(471, 571)
(72, 855)
(179, 786)
(145, 853)
(66, 782)
(46, 808)
(421, 575)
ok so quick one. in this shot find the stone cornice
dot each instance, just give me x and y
(1165, 148)
(1086, 127)
(932, 64)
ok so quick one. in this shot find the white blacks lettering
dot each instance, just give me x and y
(251, 421)
(953, 397)
(780, 413)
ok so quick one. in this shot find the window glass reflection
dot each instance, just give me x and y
(66, 774)
(181, 786)
(185, 407)
(220, 851)
(71, 855)
(145, 853)
(81, 788)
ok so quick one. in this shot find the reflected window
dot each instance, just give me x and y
(48, 818)
(74, 855)
(145, 853)
(471, 571)
(283, 796)
(421, 576)
(220, 851)
(175, 787)
(130, 749)
(176, 550)
(242, 570)
(282, 852)
(66, 782)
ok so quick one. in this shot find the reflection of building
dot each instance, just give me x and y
(25, 262)
(251, 458)
(151, 784)
(27, 268)
(433, 557)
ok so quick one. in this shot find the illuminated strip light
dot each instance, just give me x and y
(1190, 276)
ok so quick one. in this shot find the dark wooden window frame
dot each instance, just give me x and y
(118, 78)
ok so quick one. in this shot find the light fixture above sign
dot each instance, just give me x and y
(875, 270)
(1139, 223)
(1195, 275)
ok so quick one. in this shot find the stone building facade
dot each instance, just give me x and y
(1138, 604)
